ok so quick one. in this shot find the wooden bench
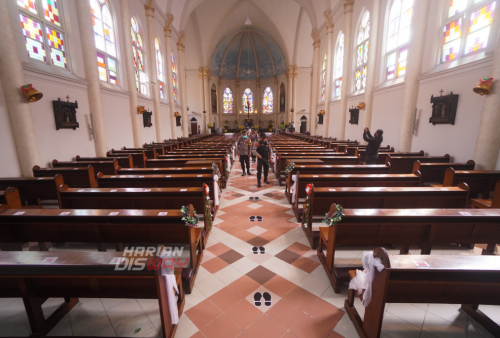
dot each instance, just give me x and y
(320, 200)
(164, 171)
(137, 158)
(10, 198)
(434, 172)
(121, 227)
(479, 181)
(361, 154)
(159, 150)
(404, 164)
(105, 167)
(351, 150)
(80, 274)
(405, 227)
(449, 279)
(348, 180)
(488, 203)
(73, 177)
(125, 161)
(33, 190)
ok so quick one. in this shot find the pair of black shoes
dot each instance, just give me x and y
(265, 181)
(258, 296)
(252, 218)
(256, 250)
(246, 173)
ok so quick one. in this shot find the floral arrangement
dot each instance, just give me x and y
(256, 127)
(176, 114)
(209, 125)
(189, 221)
(225, 130)
(309, 189)
(290, 167)
(322, 112)
(270, 129)
(335, 218)
(207, 190)
(241, 127)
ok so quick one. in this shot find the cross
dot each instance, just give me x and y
(67, 98)
(441, 91)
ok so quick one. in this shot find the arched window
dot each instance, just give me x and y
(362, 46)
(174, 77)
(339, 65)
(43, 31)
(268, 101)
(159, 69)
(104, 41)
(398, 37)
(138, 53)
(247, 99)
(466, 27)
(228, 101)
(323, 78)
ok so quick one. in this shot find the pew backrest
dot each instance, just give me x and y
(73, 177)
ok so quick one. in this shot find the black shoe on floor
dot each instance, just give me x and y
(248, 172)
(243, 174)
(258, 184)
(266, 181)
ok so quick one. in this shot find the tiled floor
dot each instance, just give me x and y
(222, 304)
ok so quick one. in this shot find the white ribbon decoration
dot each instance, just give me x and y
(228, 163)
(217, 192)
(171, 285)
(364, 278)
(274, 161)
(294, 187)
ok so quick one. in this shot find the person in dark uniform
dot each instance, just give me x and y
(254, 138)
(373, 145)
(244, 152)
(263, 151)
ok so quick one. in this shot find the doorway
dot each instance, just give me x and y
(303, 125)
(194, 126)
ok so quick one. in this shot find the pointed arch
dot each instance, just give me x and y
(227, 97)
(339, 65)
(248, 101)
(268, 101)
(362, 45)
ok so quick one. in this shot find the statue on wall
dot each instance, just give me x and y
(214, 99)
(282, 98)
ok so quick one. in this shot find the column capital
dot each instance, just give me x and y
(257, 83)
(329, 23)
(316, 39)
(220, 81)
(167, 32)
(150, 10)
(348, 6)
(180, 46)
(209, 74)
(295, 71)
(200, 72)
(237, 84)
(276, 80)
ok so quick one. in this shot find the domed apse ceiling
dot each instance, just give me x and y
(259, 54)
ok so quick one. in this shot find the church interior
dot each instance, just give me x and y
(160, 216)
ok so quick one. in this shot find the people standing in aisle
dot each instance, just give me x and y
(254, 138)
(244, 149)
(263, 151)
(373, 145)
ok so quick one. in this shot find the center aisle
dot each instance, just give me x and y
(222, 304)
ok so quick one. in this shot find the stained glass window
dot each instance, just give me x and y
(323, 77)
(268, 101)
(102, 22)
(339, 65)
(228, 101)
(159, 68)
(398, 37)
(138, 54)
(247, 99)
(174, 77)
(362, 47)
(43, 31)
(457, 40)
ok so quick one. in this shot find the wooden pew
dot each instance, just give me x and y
(361, 154)
(404, 164)
(105, 167)
(488, 203)
(159, 150)
(73, 177)
(349, 180)
(101, 227)
(320, 200)
(479, 181)
(80, 274)
(148, 152)
(351, 150)
(125, 161)
(164, 171)
(406, 227)
(33, 190)
(137, 158)
(434, 172)
(449, 279)
(10, 197)
(190, 162)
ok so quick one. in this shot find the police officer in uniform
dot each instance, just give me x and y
(263, 151)
(244, 152)
(254, 138)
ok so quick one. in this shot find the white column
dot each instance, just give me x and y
(488, 139)
(258, 103)
(130, 70)
(315, 78)
(202, 96)
(329, 62)
(237, 100)
(12, 77)
(182, 85)
(167, 32)
(372, 61)
(207, 108)
(413, 69)
(296, 116)
(153, 75)
(89, 54)
(346, 68)
(289, 93)
(220, 104)
(276, 101)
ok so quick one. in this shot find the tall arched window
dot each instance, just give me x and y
(398, 37)
(43, 31)
(362, 46)
(174, 77)
(247, 99)
(466, 27)
(138, 52)
(228, 101)
(104, 41)
(159, 69)
(268, 101)
(339, 65)
(323, 77)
